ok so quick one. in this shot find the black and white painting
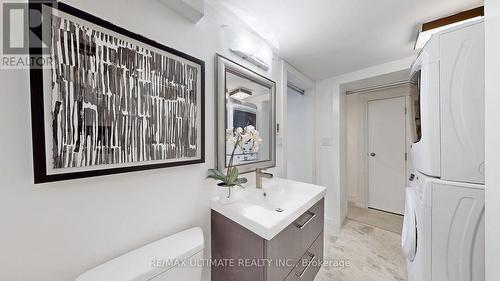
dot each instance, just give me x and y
(115, 101)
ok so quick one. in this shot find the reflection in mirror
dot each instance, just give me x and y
(248, 105)
(246, 116)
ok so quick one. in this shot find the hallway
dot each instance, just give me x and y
(368, 253)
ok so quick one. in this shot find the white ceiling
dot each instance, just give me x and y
(324, 38)
(233, 82)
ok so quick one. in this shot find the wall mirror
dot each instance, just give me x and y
(245, 98)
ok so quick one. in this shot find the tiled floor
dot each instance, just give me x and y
(383, 220)
(368, 254)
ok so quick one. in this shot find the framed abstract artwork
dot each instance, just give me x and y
(110, 101)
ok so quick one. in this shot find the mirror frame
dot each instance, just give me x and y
(224, 65)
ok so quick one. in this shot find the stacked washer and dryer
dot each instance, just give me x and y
(443, 232)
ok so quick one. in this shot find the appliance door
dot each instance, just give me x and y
(416, 125)
(458, 232)
(426, 151)
(409, 234)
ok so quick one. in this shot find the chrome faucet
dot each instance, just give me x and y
(259, 174)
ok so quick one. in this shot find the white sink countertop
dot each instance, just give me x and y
(256, 209)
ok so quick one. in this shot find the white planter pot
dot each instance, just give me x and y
(225, 197)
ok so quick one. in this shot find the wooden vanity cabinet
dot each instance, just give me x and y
(293, 254)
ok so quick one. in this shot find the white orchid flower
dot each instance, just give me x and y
(231, 140)
(243, 136)
(246, 137)
(250, 129)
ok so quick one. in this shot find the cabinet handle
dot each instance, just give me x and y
(312, 216)
(313, 256)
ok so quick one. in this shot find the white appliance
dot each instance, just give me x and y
(443, 231)
(174, 258)
(449, 118)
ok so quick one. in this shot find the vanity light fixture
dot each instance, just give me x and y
(240, 93)
(429, 28)
(251, 58)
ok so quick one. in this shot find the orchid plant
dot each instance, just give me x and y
(238, 137)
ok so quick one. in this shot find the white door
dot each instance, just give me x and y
(387, 154)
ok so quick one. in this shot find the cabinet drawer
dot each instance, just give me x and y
(291, 244)
(310, 263)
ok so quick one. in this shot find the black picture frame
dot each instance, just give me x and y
(37, 100)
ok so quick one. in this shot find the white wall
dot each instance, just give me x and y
(492, 29)
(300, 136)
(331, 132)
(354, 145)
(53, 232)
(356, 153)
(290, 74)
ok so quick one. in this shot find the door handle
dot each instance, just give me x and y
(373, 154)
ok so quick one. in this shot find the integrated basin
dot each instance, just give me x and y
(267, 211)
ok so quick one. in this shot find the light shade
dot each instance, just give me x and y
(249, 46)
(251, 58)
(240, 93)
